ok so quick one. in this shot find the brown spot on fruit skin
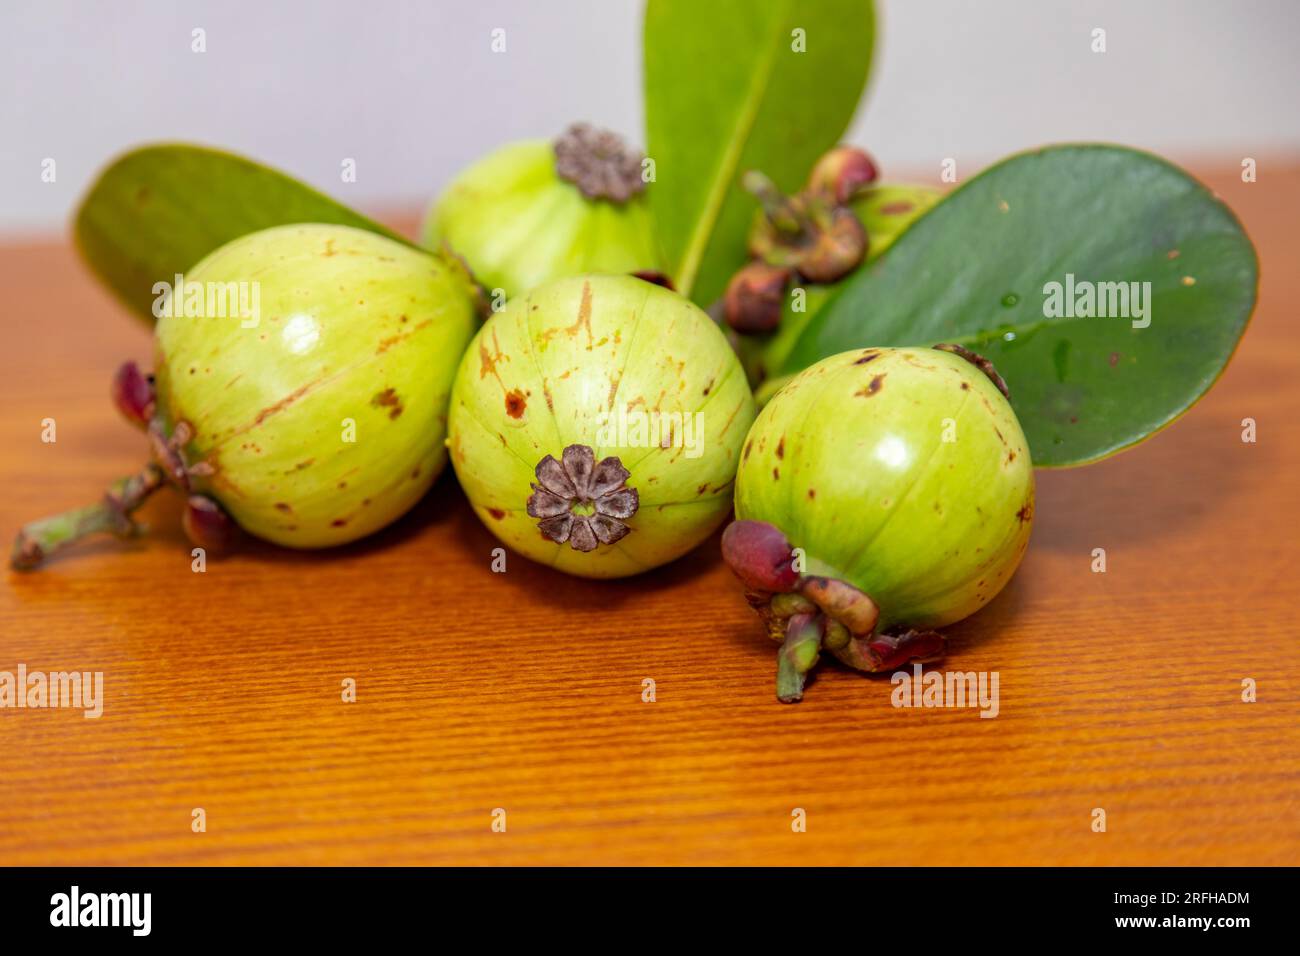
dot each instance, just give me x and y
(488, 360)
(389, 399)
(875, 385)
(284, 506)
(338, 522)
(896, 208)
(1026, 512)
(496, 513)
(583, 321)
(283, 403)
(749, 446)
(965, 386)
(867, 357)
(516, 402)
(776, 474)
(812, 493)
(731, 418)
(386, 344)
(780, 448)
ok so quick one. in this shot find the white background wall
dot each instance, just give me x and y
(412, 91)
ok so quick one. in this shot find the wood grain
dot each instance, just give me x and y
(523, 690)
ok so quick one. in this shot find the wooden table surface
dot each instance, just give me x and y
(523, 690)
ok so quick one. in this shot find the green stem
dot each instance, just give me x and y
(797, 656)
(112, 514)
(776, 205)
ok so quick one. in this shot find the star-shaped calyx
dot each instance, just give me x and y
(599, 163)
(582, 502)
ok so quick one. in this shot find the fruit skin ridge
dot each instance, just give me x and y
(517, 224)
(353, 327)
(849, 461)
(555, 368)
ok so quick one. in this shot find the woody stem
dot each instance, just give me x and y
(112, 514)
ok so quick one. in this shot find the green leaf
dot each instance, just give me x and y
(975, 271)
(725, 92)
(158, 210)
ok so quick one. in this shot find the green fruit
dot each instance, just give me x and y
(596, 425)
(313, 409)
(903, 477)
(326, 421)
(519, 217)
(887, 211)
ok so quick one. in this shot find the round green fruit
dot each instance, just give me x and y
(903, 479)
(326, 420)
(302, 380)
(535, 211)
(596, 425)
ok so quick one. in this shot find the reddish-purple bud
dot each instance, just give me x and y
(754, 298)
(759, 554)
(842, 173)
(207, 525)
(133, 394)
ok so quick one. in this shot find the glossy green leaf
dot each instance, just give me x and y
(156, 211)
(976, 269)
(727, 89)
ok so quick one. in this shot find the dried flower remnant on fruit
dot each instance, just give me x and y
(587, 188)
(582, 502)
(613, 365)
(599, 163)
